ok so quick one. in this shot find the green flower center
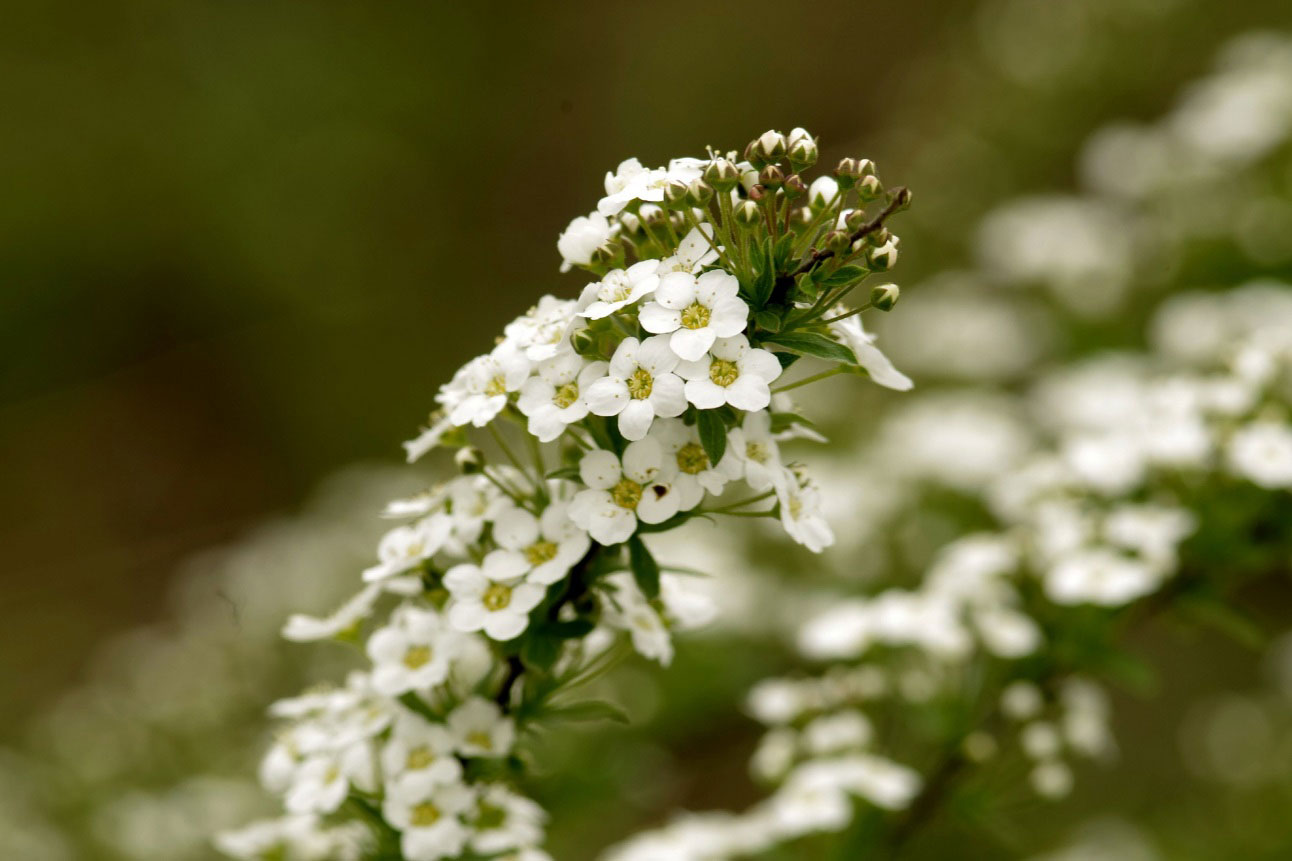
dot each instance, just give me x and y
(755, 452)
(496, 386)
(639, 384)
(566, 395)
(490, 816)
(417, 656)
(626, 494)
(540, 552)
(481, 739)
(695, 316)
(424, 815)
(691, 459)
(418, 758)
(724, 373)
(496, 597)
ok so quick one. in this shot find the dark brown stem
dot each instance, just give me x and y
(901, 196)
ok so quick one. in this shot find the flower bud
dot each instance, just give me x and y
(903, 198)
(752, 156)
(822, 191)
(837, 241)
(883, 258)
(771, 177)
(869, 188)
(722, 174)
(675, 194)
(879, 236)
(801, 217)
(757, 193)
(584, 342)
(746, 214)
(855, 220)
(801, 149)
(794, 186)
(469, 460)
(769, 146)
(699, 193)
(847, 173)
(651, 215)
(885, 296)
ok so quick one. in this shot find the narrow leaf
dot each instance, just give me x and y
(768, 320)
(713, 434)
(589, 710)
(843, 276)
(813, 344)
(645, 568)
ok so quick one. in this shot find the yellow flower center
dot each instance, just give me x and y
(417, 656)
(540, 552)
(481, 739)
(755, 452)
(424, 815)
(695, 316)
(419, 757)
(496, 386)
(691, 459)
(796, 506)
(626, 494)
(640, 383)
(566, 395)
(724, 373)
(496, 597)
(616, 288)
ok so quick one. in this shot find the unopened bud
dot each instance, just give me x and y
(584, 342)
(771, 177)
(822, 191)
(903, 198)
(794, 186)
(769, 146)
(879, 236)
(869, 188)
(752, 156)
(801, 149)
(801, 217)
(699, 193)
(837, 241)
(757, 193)
(608, 255)
(469, 460)
(675, 194)
(885, 296)
(722, 174)
(651, 215)
(855, 220)
(883, 258)
(746, 214)
(847, 172)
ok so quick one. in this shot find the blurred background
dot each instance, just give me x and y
(243, 244)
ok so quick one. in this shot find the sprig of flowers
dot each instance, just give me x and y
(625, 412)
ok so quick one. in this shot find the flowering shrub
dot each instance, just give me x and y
(612, 417)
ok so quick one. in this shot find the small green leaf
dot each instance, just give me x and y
(786, 359)
(570, 630)
(589, 710)
(813, 344)
(540, 650)
(567, 472)
(1226, 619)
(768, 320)
(713, 434)
(781, 253)
(784, 421)
(645, 568)
(843, 276)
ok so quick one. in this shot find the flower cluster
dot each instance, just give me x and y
(627, 411)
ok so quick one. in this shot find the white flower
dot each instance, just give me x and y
(428, 439)
(478, 391)
(581, 238)
(550, 545)
(473, 502)
(492, 596)
(540, 331)
(301, 628)
(631, 181)
(503, 820)
(1099, 575)
(630, 611)
(1021, 700)
(430, 817)
(420, 751)
(862, 344)
(556, 397)
(412, 653)
(619, 288)
(836, 732)
(760, 456)
(406, 547)
(323, 780)
(695, 474)
(1052, 779)
(696, 311)
(621, 493)
(823, 191)
(1262, 453)
(734, 373)
(639, 385)
(694, 252)
(480, 728)
(299, 838)
(801, 514)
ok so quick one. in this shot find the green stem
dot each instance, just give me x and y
(812, 379)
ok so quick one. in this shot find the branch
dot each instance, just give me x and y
(901, 197)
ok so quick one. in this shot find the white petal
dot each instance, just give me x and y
(668, 396)
(466, 580)
(607, 396)
(728, 317)
(515, 528)
(624, 361)
(762, 364)
(643, 459)
(691, 344)
(731, 349)
(656, 356)
(706, 394)
(749, 393)
(714, 286)
(467, 615)
(506, 625)
(697, 370)
(658, 504)
(635, 419)
(599, 470)
(503, 565)
(654, 317)
(676, 290)
(881, 370)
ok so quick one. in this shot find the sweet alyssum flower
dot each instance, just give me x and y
(592, 428)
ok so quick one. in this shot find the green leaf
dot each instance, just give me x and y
(713, 434)
(567, 472)
(786, 359)
(540, 650)
(768, 320)
(766, 277)
(645, 568)
(814, 344)
(781, 253)
(571, 630)
(783, 422)
(589, 710)
(843, 276)
(1224, 618)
